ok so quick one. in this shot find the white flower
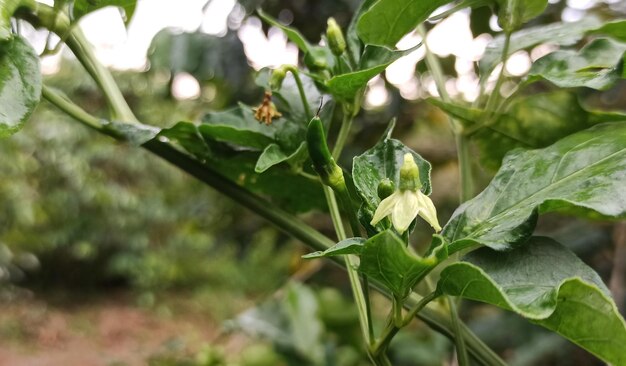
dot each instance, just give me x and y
(407, 202)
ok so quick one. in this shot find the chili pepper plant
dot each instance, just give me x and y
(277, 160)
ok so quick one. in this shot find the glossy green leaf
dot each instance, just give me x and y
(375, 60)
(546, 283)
(20, 84)
(386, 259)
(384, 161)
(387, 21)
(292, 34)
(83, 7)
(556, 33)
(355, 46)
(530, 122)
(237, 126)
(585, 171)
(595, 66)
(344, 247)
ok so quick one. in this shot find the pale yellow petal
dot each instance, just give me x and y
(428, 211)
(384, 208)
(405, 211)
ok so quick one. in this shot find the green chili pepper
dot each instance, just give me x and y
(323, 162)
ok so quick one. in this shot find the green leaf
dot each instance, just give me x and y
(187, 136)
(7, 8)
(556, 33)
(616, 30)
(595, 66)
(384, 161)
(568, 298)
(514, 13)
(533, 121)
(237, 126)
(292, 34)
(387, 21)
(291, 191)
(355, 45)
(134, 133)
(386, 259)
(83, 7)
(274, 154)
(20, 84)
(306, 328)
(375, 60)
(583, 171)
(344, 247)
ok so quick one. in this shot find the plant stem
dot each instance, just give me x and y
(465, 173)
(495, 93)
(462, 143)
(355, 283)
(71, 109)
(305, 104)
(394, 327)
(59, 23)
(344, 132)
(461, 351)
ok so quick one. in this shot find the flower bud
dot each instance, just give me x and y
(277, 77)
(386, 187)
(336, 41)
(409, 174)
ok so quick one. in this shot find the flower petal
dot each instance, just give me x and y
(428, 211)
(384, 208)
(405, 211)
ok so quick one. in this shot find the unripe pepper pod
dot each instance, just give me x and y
(329, 172)
(336, 41)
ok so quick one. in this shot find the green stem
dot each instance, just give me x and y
(305, 104)
(495, 93)
(461, 350)
(71, 109)
(355, 283)
(392, 329)
(344, 132)
(462, 143)
(59, 23)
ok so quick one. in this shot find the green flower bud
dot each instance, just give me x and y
(386, 187)
(277, 77)
(336, 41)
(329, 172)
(409, 174)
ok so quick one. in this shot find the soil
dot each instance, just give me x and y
(100, 332)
